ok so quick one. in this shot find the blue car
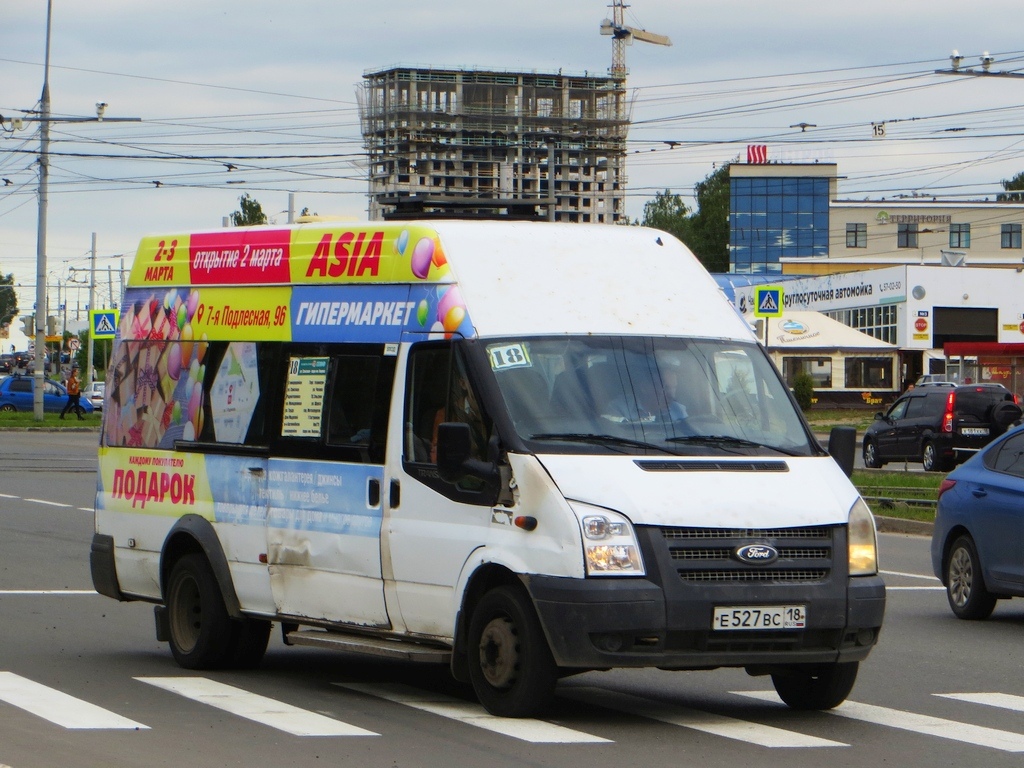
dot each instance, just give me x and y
(16, 394)
(978, 541)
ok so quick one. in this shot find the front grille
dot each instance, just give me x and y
(760, 576)
(708, 555)
(819, 532)
(785, 553)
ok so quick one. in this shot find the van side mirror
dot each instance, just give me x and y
(842, 446)
(454, 455)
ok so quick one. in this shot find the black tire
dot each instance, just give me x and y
(510, 663)
(202, 635)
(816, 686)
(931, 460)
(249, 643)
(8, 408)
(965, 585)
(870, 451)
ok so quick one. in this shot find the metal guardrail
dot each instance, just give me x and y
(890, 496)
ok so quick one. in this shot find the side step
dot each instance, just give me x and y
(370, 646)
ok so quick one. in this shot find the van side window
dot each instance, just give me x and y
(357, 405)
(439, 390)
(335, 402)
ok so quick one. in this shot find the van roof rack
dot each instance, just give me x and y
(406, 207)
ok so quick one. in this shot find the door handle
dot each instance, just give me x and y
(395, 495)
(373, 492)
(255, 470)
(979, 493)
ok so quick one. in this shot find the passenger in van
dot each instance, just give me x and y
(462, 406)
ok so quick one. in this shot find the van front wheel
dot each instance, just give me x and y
(816, 686)
(510, 664)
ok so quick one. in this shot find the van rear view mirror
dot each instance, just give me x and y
(842, 446)
(454, 447)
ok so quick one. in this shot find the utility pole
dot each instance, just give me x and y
(92, 306)
(39, 373)
(44, 118)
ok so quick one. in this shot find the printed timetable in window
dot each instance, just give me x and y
(304, 397)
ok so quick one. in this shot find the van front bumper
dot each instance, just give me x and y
(665, 618)
(598, 624)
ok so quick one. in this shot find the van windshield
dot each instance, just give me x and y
(613, 394)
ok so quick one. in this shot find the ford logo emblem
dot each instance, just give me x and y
(757, 554)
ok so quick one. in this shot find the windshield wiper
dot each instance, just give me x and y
(592, 437)
(723, 440)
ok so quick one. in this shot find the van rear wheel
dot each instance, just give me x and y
(200, 628)
(510, 663)
(816, 686)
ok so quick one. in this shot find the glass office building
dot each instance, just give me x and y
(776, 212)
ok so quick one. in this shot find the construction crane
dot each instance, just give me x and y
(622, 36)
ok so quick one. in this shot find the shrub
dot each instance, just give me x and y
(803, 390)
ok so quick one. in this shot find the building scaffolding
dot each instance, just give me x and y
(554, 139)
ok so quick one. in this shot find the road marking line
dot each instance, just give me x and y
(252, 706)
(1006, 741)
(8, 496)
(698, 720)
(86, 509)
(60, 708)
(48, 592)
(49, 503)
(908, 575)
(1001, 700)
(524, 729)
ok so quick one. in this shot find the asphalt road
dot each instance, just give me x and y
(83, 681)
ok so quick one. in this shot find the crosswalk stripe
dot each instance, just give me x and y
(252, 706)
(524, 729)
(1005, 741)
(1001, 700)
(48, 592)
(58, 707)
(698, 720)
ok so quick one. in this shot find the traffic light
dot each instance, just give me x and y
(28, 323)
(51, 326)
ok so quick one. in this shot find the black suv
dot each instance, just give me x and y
(940, 426)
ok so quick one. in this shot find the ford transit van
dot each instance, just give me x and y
(522, 450)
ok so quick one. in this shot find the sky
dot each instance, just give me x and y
(270, 88)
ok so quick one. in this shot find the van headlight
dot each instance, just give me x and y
(610, 547)
(863, 543)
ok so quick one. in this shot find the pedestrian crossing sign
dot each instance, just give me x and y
(103, 323)
(768, 301)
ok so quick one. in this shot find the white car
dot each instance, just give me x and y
(94, 394)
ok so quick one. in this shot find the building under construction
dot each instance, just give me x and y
(527, 144)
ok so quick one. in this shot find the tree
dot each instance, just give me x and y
(666, 212)
(8, 299)
(709, 226)
(251, 212)
(1014, 189)
(705, 231)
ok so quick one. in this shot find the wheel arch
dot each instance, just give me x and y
(193, 533)
(484, 578)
